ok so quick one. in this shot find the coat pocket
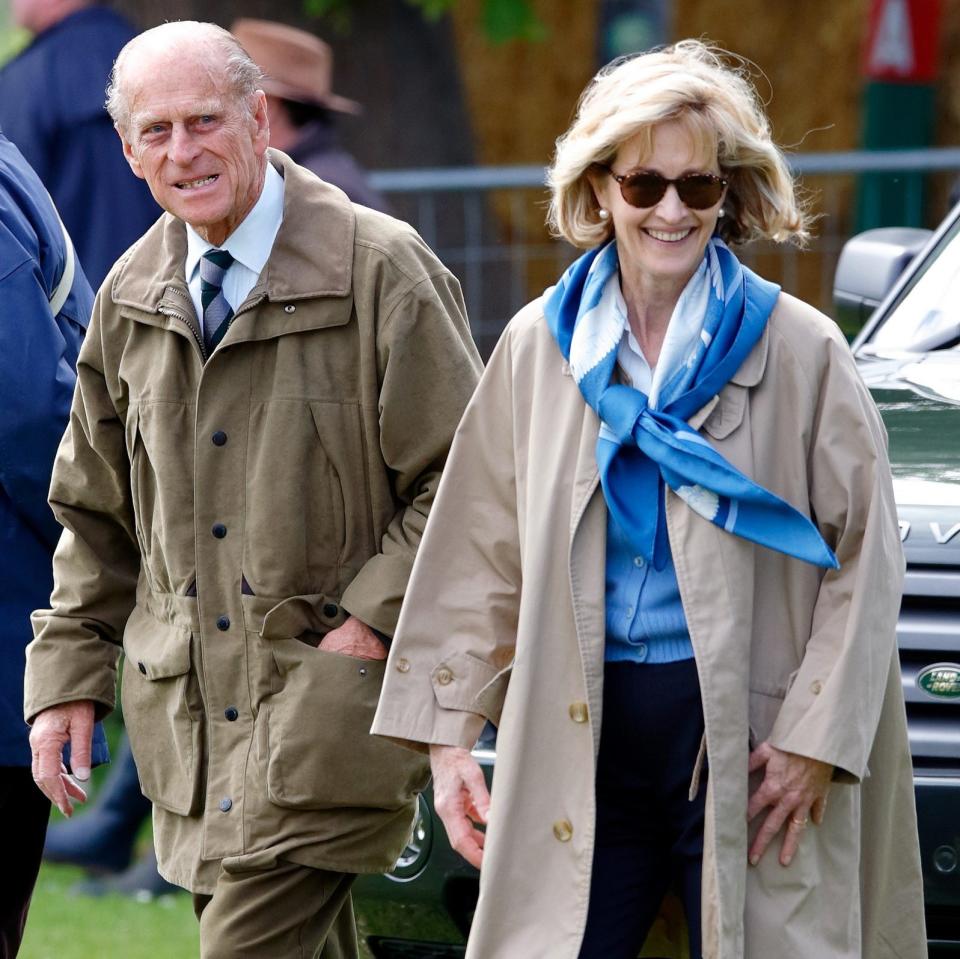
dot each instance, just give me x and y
(161, 712)
(314, 735)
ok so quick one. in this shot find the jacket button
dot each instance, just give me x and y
(330, 610)
(142, 668)
(289, 308)
(444, 676)
(815, 687)
(223, 623)
(563, 830)
(232, 713)
(226, 804)
(403, 665)
(219, 530)
(219, 438)
(579, 712)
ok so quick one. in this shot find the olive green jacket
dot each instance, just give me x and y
(220, 516)
(504, 619)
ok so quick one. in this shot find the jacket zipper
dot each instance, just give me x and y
(185, 318)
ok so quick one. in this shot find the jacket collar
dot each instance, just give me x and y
(314, 213)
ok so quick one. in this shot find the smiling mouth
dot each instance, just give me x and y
(670, 237)
(195, 184)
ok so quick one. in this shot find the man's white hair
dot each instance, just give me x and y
(243, 76)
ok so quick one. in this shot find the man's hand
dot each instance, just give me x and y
(461, 799)
(52, 730)
(795, 787)
(354, 638)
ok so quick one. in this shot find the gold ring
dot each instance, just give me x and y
(799, 823)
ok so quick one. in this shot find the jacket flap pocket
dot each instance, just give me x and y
(727, 415)
(458, 679)
(311, 613)
(158, 650)
(489, 701)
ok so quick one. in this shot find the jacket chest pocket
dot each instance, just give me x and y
(314, 732)
(159, 437)
(307, 508)
(161, 711)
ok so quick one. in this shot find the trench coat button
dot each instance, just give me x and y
(444, 676)
(219, 438)
(330, 610)
(289, 308)
(142, 668)
(816, 687)
(223, 623)
(232, 713)
(403, 666)
(219, 530)
(563, 830)
(579, 712)
(226, 804)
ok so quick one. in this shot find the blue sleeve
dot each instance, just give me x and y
(38, 389)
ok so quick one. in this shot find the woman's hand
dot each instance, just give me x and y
(461, 799)
(795, 790)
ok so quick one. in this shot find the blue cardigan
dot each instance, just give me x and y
(38, 357)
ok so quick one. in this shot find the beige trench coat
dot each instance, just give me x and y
(216, 512)
(504, 619)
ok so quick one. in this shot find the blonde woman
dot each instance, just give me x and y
(664, 561)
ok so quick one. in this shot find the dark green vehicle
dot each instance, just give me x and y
(902, 286)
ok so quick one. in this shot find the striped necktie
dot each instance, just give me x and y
(217, 312)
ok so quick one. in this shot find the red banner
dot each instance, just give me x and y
(903, 40)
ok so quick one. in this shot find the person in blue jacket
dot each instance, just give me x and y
(52, 107)
(45, 303)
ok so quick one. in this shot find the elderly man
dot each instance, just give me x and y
(265, 399)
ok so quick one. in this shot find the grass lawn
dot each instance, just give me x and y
(65, 926)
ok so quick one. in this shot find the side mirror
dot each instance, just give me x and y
(869, 265)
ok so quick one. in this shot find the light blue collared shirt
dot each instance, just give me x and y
(249, 245)
(645, 618)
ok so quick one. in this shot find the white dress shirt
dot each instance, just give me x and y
(683, 331)
(249, 245)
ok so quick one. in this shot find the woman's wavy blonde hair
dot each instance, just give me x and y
(695, 83)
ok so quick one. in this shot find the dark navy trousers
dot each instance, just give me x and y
(649, 834)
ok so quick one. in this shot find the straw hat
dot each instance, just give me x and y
(297, 65)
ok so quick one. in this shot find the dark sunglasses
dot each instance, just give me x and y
(699, 191)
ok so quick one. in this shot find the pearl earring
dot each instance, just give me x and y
(604, 214)
(722, 212)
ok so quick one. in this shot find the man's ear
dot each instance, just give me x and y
(130, 155)
(261, 118)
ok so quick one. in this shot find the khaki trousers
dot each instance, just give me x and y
(288, 912)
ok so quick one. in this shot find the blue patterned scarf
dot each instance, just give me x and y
(639, 444)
